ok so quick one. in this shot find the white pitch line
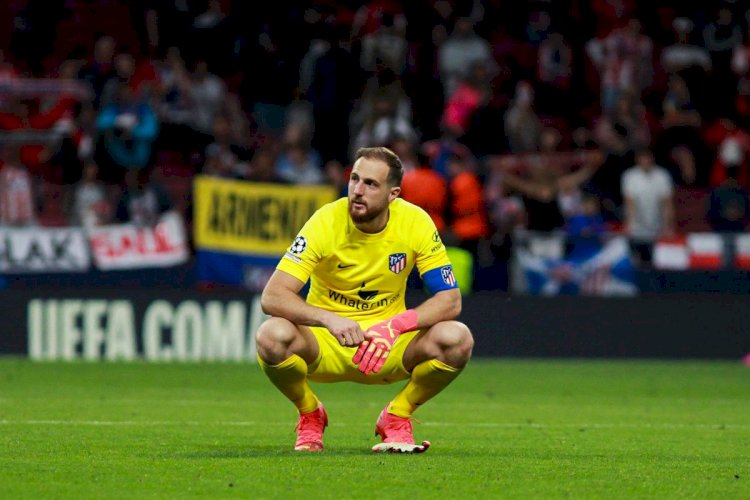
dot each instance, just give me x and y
(249, 423)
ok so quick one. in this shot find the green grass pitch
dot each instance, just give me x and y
(504, 429)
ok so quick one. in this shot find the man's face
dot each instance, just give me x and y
(369, 190)
(645, 161)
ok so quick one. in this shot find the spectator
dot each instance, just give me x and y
(406, 149)
(383, 85)
(648, 194)
(467, 212)
(539, 27)
(606, 181)
(317, 47)
(546, 191)
(721, 36)
(554, 73)
(427, 189)
(128, 127)
(505, 215)
(522, 125)
(300, 164)
(729, 205)
(18, 192)
(142, 201)
(299, 114)
(439, 152)
(337, 176)
(585, 229)
(206, 93)
(641, 48)
(732, 148)
(369, 16)
(681, 121)
(678, 107)
(77, 146)
(172, 103)
(682, 55)
(223, 157)
(124, 70)
(263, 167)
(239, 124)
(383, 125)
(459, 52)
(620, 58)
(101, 68)
(42, 117)
(682, 165)
(691, 62)
(472, 92)
(87, 203)
(386, 47)
(630, 116)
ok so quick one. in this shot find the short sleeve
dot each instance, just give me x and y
(305, 252)
(429, 246)
(432, 259)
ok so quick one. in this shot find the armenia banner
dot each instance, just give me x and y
(253, 219)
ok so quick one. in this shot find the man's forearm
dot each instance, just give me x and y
(291, 306)
(442, 306)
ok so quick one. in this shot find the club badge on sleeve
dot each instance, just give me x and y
(447, 274)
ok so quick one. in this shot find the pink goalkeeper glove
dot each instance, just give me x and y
(373, 351)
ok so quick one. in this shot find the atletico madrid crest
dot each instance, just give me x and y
(397, 262)
(446, 273)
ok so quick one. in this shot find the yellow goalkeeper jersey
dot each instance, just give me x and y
(363, 276)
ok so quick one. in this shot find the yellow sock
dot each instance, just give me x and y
(290, 377)
(427, 379)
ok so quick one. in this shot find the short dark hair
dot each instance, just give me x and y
(395, 168)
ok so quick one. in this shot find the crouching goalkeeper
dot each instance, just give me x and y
(358, 252)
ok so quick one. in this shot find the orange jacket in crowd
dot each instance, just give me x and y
(468, 213)
(427, 189)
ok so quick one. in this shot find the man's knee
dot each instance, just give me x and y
(454, 342)
(274, 338)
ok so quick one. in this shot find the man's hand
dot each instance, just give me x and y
(372, 353)
(346, 331)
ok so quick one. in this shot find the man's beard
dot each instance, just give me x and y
(367, 216)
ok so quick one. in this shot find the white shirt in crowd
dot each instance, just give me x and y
(647, 189)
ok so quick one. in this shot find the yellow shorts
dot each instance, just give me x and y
(334, 363)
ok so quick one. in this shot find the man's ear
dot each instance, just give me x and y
(395, 191)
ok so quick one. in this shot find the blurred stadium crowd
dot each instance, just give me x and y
(583, 116)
